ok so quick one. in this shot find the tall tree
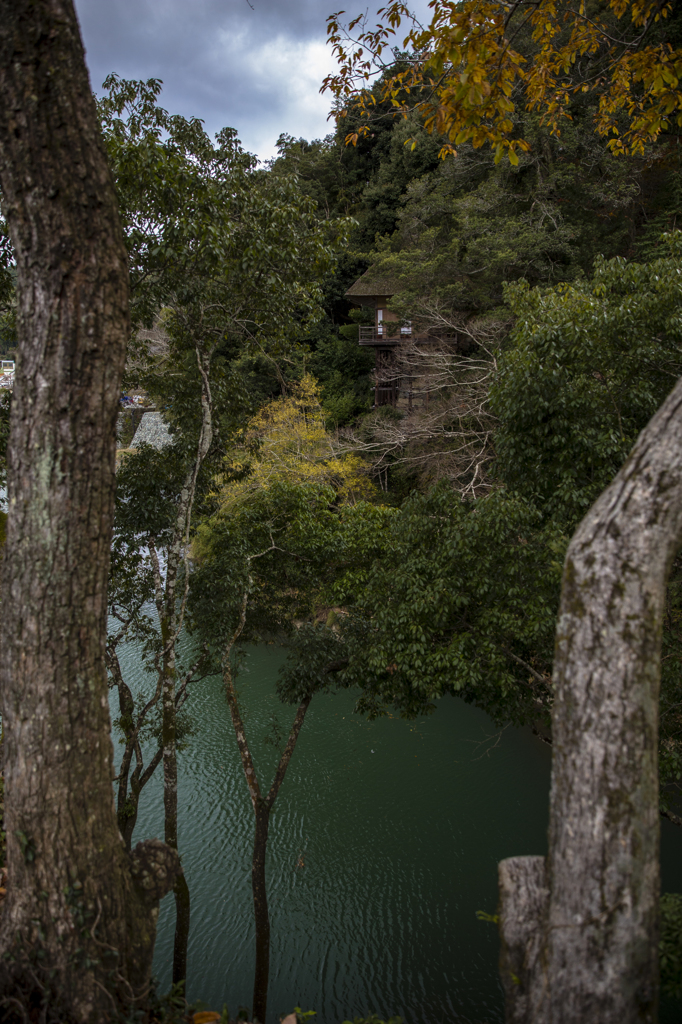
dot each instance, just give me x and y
(261, 560)
(78, 925)
(209, 257)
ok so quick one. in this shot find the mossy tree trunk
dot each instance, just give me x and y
(79, 920)
(598, 918)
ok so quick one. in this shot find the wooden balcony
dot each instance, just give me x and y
(379, 337)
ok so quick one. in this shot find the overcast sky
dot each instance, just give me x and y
(258, 71)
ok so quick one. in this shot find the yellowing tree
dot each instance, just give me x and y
(467, 73)
(287, 442)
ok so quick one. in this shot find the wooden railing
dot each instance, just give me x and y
(380, 335)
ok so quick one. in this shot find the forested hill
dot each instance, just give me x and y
(561, 275)
(451, 232)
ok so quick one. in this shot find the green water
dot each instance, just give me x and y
(399, 827)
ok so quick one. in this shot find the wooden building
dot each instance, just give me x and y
(384, 336)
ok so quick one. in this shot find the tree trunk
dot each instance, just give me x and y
(599, 957)
(261, 809)
(182, 918)
(130, 786)
(260, 911)
(171, 621)
(522, 915)
(170, 795)
(126, 803)
(79, 923)
(127, 809)
(170, 805)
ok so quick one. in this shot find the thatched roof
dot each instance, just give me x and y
(367, 287)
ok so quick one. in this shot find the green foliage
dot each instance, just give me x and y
(285, 546)
(366, 180)
(373, 1019)
(441, 595)
(240, 253)
(226, 265)
(465, 229)
(670, 948)
(255, 549)
(663, 205)
(316, 656)
(343, 370)
(287, 441)
(586, 367)
(229, 263)
(464, 601)
(459, 229)
(148, 485)
(303, 1015)
(449, 234)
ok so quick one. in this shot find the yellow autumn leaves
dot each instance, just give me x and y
(468, 73)
(286, 441)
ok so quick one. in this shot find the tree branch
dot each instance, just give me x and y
(288, 751)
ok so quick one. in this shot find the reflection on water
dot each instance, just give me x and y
(383, 844)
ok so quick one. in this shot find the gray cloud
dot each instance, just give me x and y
(258, 71)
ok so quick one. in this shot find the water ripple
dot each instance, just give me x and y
(383, 844)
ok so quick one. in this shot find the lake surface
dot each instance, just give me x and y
(399, 827)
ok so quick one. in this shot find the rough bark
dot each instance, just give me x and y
(522, 913)
(79, 921)
(601, 939)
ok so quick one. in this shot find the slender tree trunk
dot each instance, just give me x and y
(599, 921)
(262, 806)
(78, 924)
(182, 920)
(127, 814)
(170, 805)
(127, 799)
(171, 621)
(129, 803)
(130, 786)
(260, 912)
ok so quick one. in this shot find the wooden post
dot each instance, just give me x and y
(600, 942)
